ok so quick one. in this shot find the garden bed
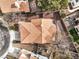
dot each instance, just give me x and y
(74, 34)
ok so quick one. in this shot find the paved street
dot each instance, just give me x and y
(4, 39)
(1, 39)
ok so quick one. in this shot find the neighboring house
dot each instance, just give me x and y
(77, 29)
(40, 31)
(10, 57)
(25, 54)
(14, 52)
(69, 22)
(14, 6)
(73, 5)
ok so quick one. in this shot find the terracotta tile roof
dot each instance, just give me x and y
(37, 31)
(5, 5)
(8, 6)
(32, 57)
(23, 56)
(24, 6)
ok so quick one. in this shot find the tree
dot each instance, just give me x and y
(52, 4)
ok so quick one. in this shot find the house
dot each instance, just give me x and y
(25, 54)
(73, 5)
(40, 31)
(14, 52)
(14, 6)
(69, 22)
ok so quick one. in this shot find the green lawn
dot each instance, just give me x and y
(74, 35)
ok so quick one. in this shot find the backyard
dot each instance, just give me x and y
(74, 34)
